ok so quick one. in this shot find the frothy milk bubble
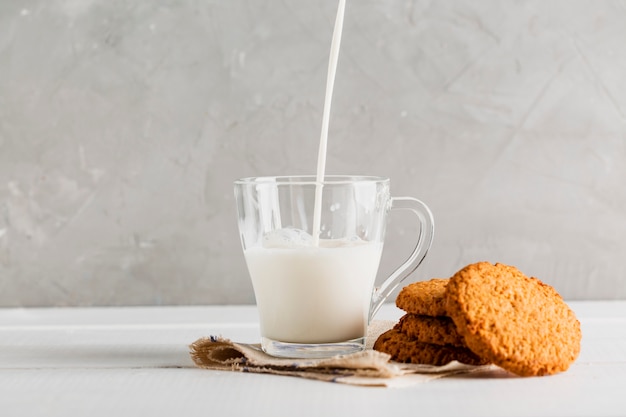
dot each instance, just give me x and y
(287, 238)
(291, 238)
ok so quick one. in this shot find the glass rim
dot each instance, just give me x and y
(311, 180)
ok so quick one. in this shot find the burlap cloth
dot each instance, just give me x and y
(367, 368)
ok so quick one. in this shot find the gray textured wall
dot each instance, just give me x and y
(124, 123)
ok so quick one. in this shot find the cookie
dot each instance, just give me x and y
(407, 350)
(424, 297)
(518, 323)
(438, 330)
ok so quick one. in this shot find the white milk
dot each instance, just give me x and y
(314, 294)
(310, 290)
(330, 84)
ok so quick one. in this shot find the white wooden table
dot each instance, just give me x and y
(135, 362)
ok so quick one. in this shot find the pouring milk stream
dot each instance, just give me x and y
(330, 84)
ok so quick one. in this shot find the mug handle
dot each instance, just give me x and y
(424, 241)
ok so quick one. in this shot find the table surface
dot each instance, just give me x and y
(135, 361)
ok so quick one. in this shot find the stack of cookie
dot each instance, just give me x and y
(485, 313)
(425, 334)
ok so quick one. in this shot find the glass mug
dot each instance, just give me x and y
(315, 291)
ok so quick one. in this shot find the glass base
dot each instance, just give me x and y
(311, 350)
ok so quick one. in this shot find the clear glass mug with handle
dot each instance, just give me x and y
(312, 250)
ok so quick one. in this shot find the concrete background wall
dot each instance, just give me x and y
(124, 123)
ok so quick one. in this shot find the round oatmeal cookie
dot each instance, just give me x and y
(407, 350)
(438, 330)
(518, 323)
(424, 297)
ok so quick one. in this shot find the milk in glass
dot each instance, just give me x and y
(326, 288)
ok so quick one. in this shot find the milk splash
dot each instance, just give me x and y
(291, 238)
(330, 83)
